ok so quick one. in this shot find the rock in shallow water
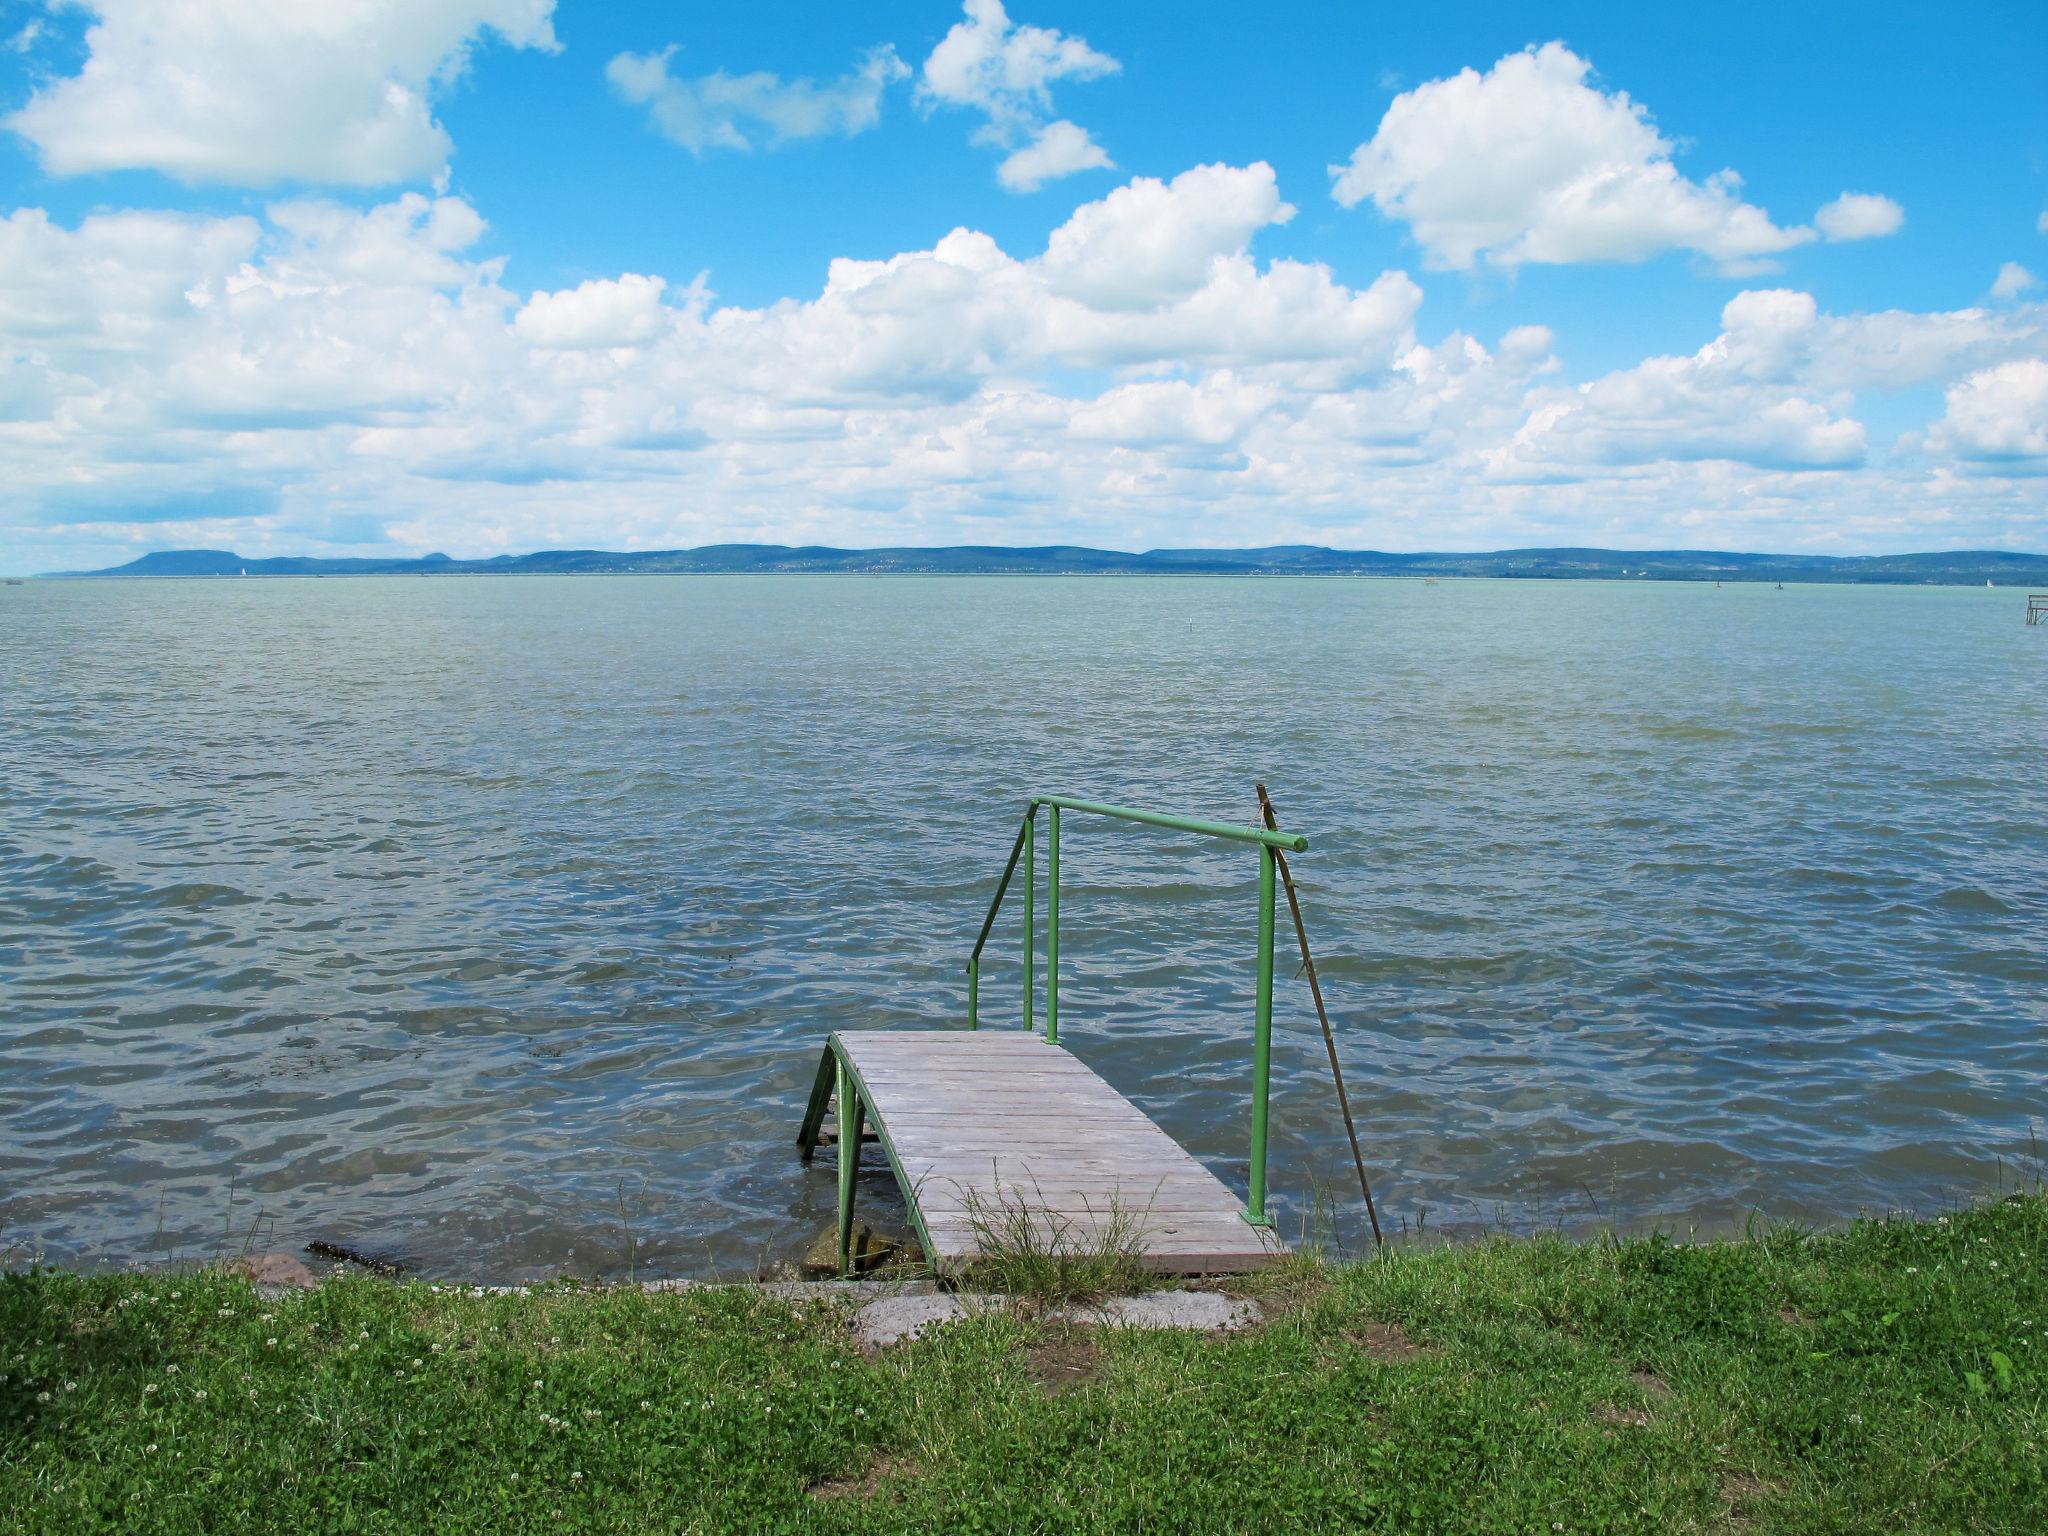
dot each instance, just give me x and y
(273, 1269)
(871, 1250)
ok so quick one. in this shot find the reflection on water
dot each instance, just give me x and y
(492, 920)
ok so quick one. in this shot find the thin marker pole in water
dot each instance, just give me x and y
(1315, 987)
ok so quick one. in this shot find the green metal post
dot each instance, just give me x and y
(974, 991)
(1030, 928)
(1052, 930)
(849, 1162)
(1262, 1039)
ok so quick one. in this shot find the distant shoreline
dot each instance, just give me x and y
(1949, 568)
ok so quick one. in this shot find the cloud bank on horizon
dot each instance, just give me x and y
(300, 336)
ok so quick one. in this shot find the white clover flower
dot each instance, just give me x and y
(150, 1388)
(270, 1343)
(150, 1449)
(42, 1397)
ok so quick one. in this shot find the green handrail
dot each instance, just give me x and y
(1026, 847)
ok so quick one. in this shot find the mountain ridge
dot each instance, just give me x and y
(1952, 567)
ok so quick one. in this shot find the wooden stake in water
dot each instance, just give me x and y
(1315, 987)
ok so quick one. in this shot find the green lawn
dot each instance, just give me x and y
(1887, 1378)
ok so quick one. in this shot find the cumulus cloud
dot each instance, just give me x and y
(2012, 281)
(1005, 71)
(604, 312)
(716, 111)
(1058, 149)
(1529, 163)
(1860, 216)
(323, 373)
(254, 93)
(1998, 414)
(1150, 242)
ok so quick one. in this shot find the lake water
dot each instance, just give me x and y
(497, 922)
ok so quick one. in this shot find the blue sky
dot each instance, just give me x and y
(479, 275)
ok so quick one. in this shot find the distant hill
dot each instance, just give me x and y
(1964, 567)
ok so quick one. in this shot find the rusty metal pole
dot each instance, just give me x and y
(1315, 987)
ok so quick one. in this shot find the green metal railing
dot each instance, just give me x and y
(1026, 849)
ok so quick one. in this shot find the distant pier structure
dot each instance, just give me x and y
(2037, 607)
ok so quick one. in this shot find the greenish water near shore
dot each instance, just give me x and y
(1888, 1378)
(496, 923)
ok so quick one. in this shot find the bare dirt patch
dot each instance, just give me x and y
(881, 1472)
(1652, 1386)
(1615, 1417)
(1742, 1493)
(1385, 1341)
(1064, 1362)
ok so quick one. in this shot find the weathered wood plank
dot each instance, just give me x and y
(986, 1119)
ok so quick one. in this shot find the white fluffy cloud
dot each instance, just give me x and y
(1999, 414)
(1150, 242)
(330, 377)
(716, 111)
(604, 312)
(1860, 216)
(1057, 149)
(1529, 163)
(258, 92)
(1005, 71)
(2012, 281)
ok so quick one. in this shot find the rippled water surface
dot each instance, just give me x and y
(496, 922)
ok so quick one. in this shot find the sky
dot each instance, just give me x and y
(364, 277)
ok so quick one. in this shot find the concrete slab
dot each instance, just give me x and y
(891, 1320)
(896, 1318)
(1201, 1311)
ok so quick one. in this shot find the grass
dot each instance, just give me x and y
(1890, 1377)
(1045, 1259)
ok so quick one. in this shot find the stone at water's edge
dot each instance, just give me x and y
(279, 1269)
(871, 1250)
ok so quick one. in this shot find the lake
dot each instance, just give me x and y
(496, 922)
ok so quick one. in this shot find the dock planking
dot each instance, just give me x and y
(994, 1119)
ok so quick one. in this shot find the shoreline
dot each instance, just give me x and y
(1891, 1375)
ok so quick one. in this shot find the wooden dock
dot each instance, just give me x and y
(997, 1122)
